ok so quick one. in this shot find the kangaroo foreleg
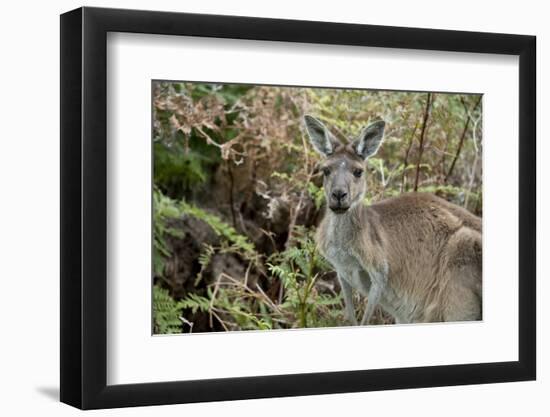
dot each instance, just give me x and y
(375, 294)
(348, 300)
(378, 286)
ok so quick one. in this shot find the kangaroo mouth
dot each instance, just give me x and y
(339, 209)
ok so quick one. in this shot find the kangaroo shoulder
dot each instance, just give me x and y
(424, 206)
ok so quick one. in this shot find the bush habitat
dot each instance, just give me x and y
(237, 196)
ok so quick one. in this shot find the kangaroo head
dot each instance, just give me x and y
(343, 165)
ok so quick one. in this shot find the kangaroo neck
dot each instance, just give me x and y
(350, 222)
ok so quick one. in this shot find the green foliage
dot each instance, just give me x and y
(235, 305)
(179, 171)
(235, 310)
(204, 260)
(228, 93)
(163, 209)
(298, 269)
(166, 312)
(238, 243)
(317, 194)
(195, 303)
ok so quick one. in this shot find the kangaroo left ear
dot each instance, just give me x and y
(320, 137)
(370, 139)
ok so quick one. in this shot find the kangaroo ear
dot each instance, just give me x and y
(370, 139)
(322, 140)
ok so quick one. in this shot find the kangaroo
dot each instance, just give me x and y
(417, 256)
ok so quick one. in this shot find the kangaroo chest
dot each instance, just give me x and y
(348, 267)
(338, 251)
(341, 257)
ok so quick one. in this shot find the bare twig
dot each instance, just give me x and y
(476, 158)
(462, 136)
(189, 323)
(381, 169)
(231, 188)
(217, 317)
(269, 234)
(244, 290)
(406, 159)
(269, 301)
(209, 140)
(295, 212)
(247, 273)
(429, 101)
(212, 299)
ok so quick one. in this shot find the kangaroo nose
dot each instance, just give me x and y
(339, 195)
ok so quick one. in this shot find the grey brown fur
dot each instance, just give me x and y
(417, 256)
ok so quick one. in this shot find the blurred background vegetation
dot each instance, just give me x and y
(237, 195)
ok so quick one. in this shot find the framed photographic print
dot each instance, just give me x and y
(258, 208)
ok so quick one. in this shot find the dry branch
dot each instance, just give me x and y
(462, 137)
(429, 101)
(406, 159)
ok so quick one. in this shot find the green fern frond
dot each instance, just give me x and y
(166, 312)
(195, 303)
(220, 228)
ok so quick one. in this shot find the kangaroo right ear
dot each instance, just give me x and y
(370, 139)
(322, 140)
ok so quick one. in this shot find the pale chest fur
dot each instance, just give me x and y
(338, 248)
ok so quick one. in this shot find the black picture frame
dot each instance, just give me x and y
(84, 207)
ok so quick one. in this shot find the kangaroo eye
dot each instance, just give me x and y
(326, 172)
(358, 172)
